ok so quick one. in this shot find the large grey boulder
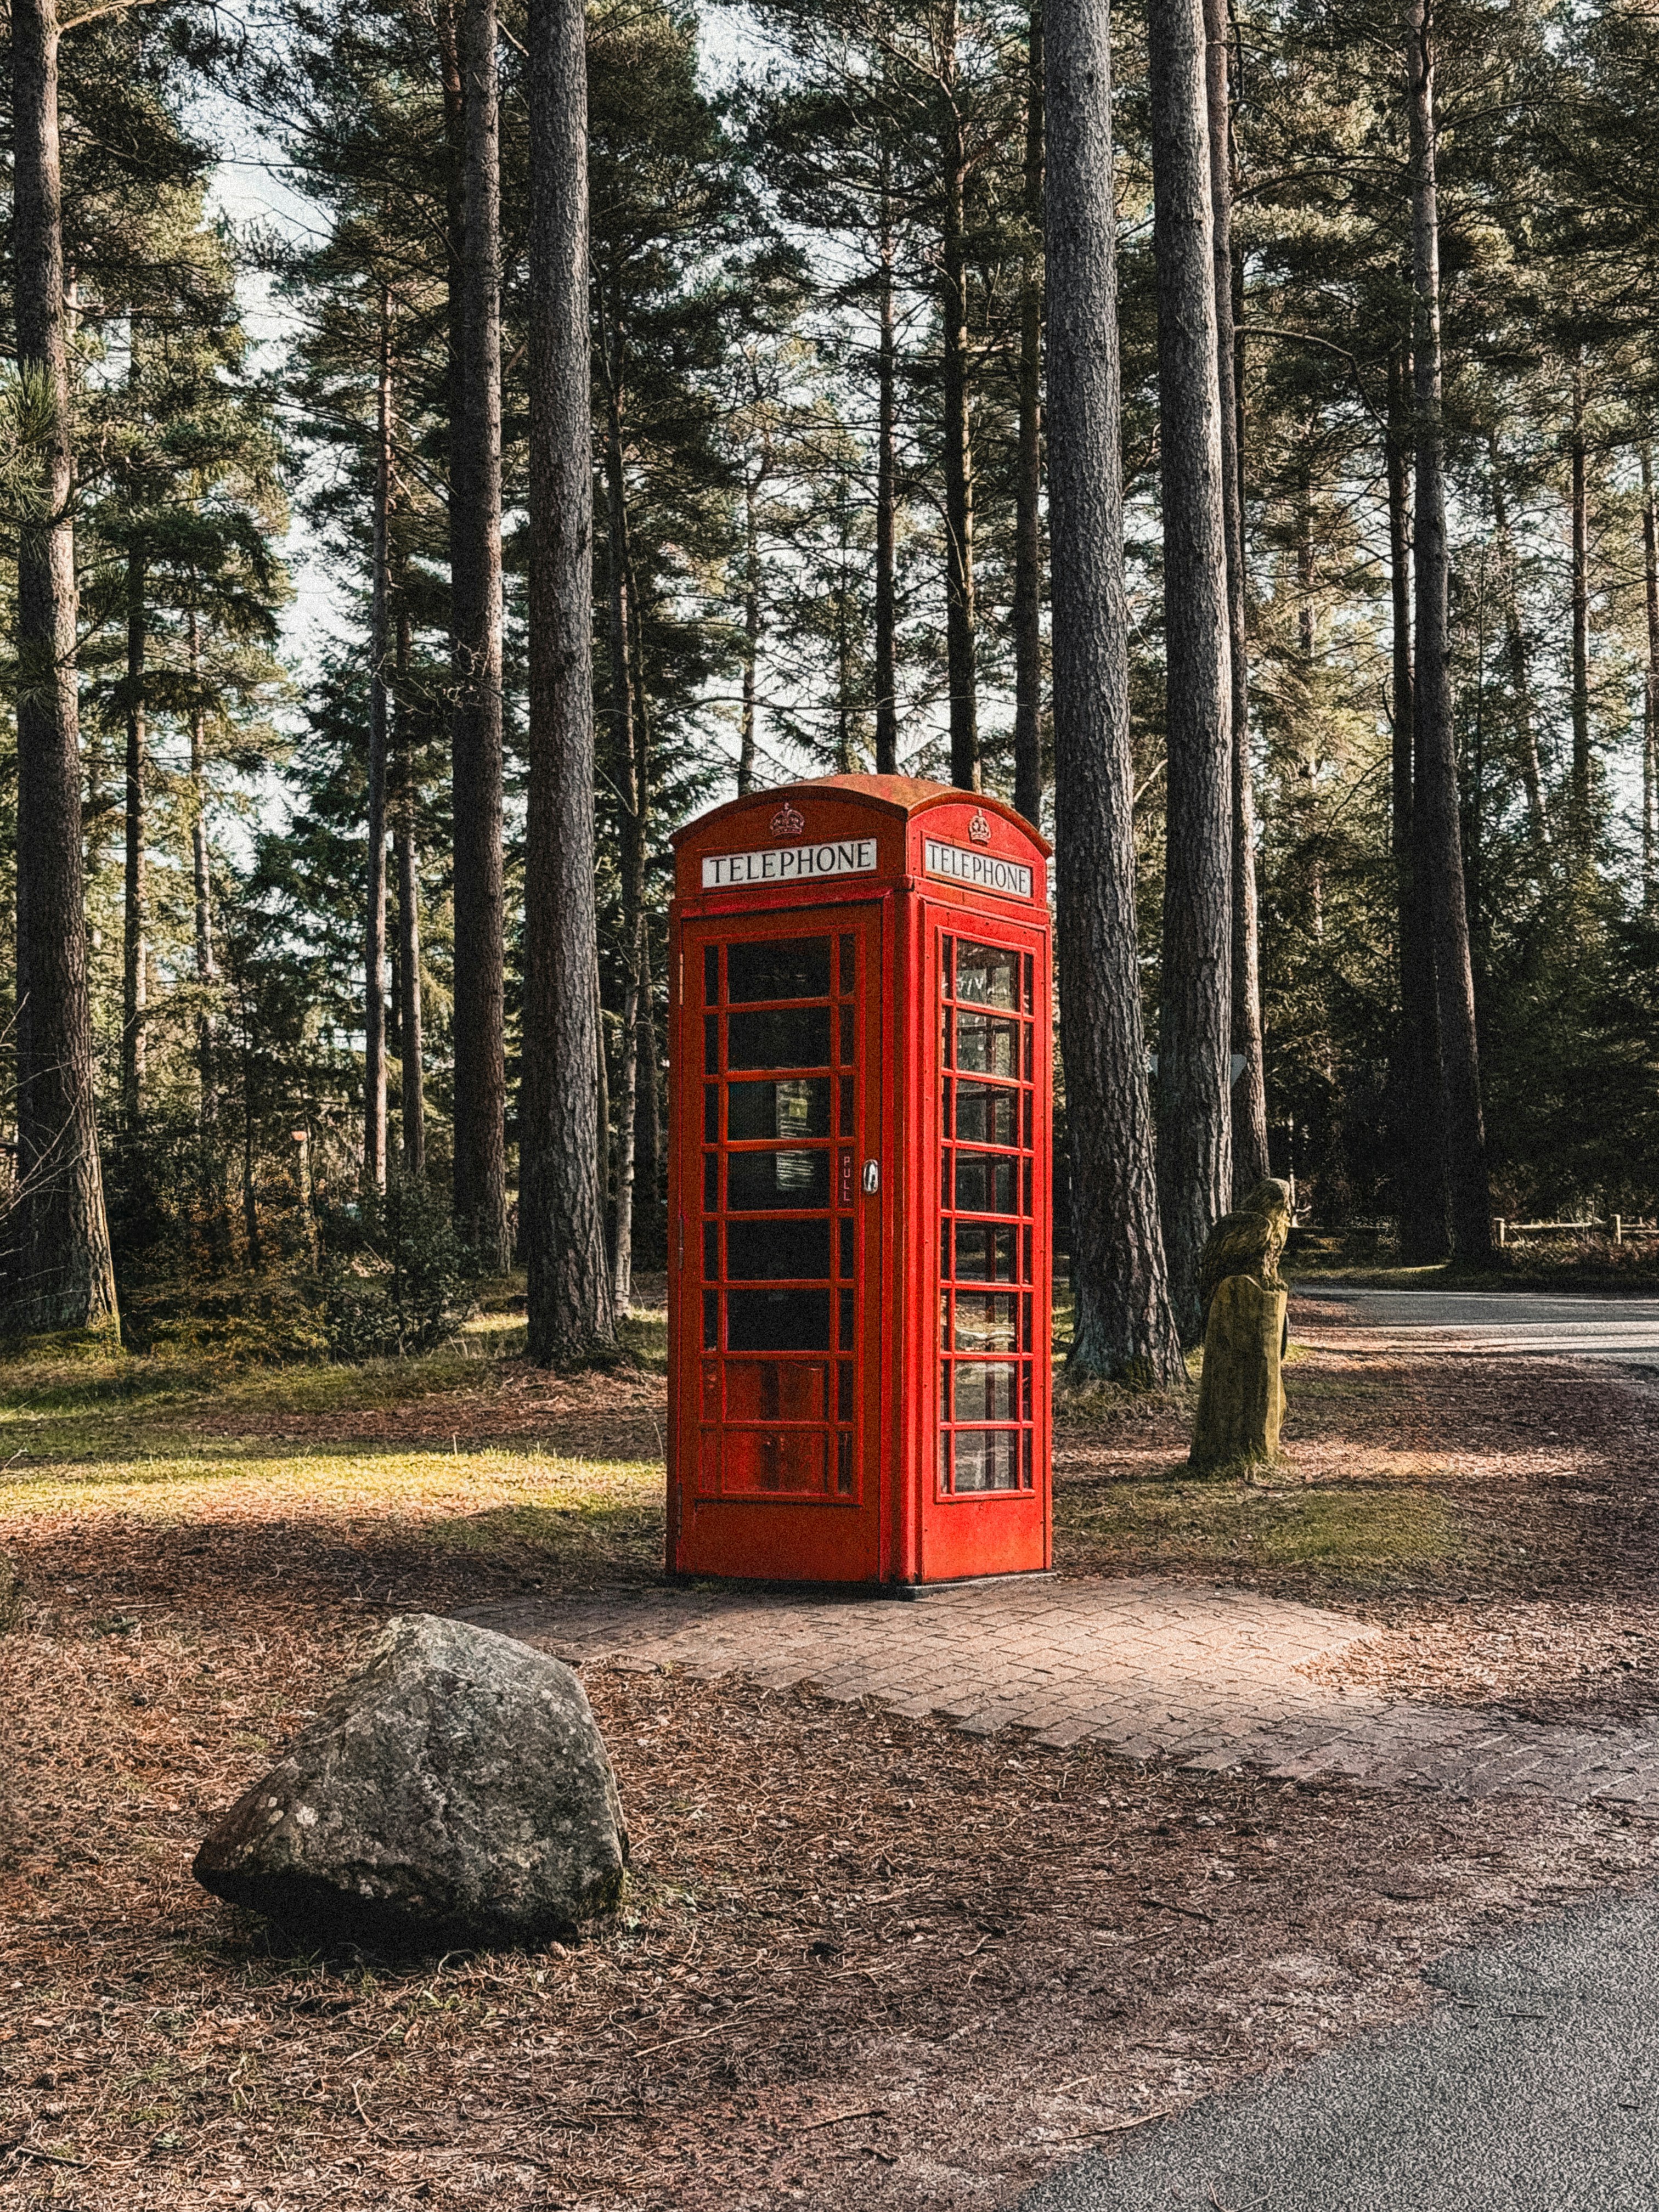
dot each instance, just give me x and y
(457, 1791)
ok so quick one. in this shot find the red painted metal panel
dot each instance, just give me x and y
(861, 1186)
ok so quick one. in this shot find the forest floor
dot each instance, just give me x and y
(864, 1961)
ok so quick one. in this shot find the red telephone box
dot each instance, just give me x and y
(860, 1194)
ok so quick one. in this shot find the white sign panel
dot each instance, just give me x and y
(983, 871)
(789, 863)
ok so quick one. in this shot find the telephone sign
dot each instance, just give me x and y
(859, 1181)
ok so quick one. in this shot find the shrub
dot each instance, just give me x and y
(398, 1278)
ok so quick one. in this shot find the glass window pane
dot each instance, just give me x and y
(774, 1390)
(984, 1254)
(987, 975)
(844, 1127)
(763, 1182)
(985, 1046)
(946, 948)
(796, 1036)
(772, 1459)
(1028, 1002)
(711, 974)
(846, 1321)
(986, 1459)
(711, 1113)
(711, 1252)
(777, 1320)
(846, 1249)
(711, 1183)
(987, 1320)
(844, 1390)
(985, 1116)
(845, 1036)
(944, 1460)
(985, 1390)
(848, 956)
(844, 1464)
(788, 968)
(777, 1251)
(711, 1044)
(797, 1106)
(1026, 1206)
(986, 1183)
(711, 1321)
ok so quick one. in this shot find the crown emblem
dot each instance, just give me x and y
(979, 829)
(790, 822)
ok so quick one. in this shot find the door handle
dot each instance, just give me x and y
(872, 1177)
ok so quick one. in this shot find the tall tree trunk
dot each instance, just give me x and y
(411, 1042)
(1195, 1115)
(62, 1276)
(1028, 481)
(886, 608)
(1515, 648)
(476, 585)
(1125, 1324)
(134, 966)
(207, 971)
(1650, 690)
(1435, 798)
(1422, 1150)
(1583, 824)
(214, 1198)
(561, 1115)
(1249, 1092)
(961, 620)
(379, 655)
(631, 749)
(752, 627)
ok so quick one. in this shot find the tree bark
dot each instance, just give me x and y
(751, 627)
(1195, 1117)
(411, 1042)
(134, 972)
(886, 607)
(475, 735)
(1514, 646)
(1422, 1148)
(562, 1109)
(1435, 798)
(380, 654)
(1028, 484)
(1650, 690)
(1583, 824)
(207, 971)
(1125, 1324)
(961, 622)
(1249, 1092)
(62, 1276)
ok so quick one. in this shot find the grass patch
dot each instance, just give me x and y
(263, 1482)
(1207, 1524)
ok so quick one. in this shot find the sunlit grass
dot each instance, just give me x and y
(479, 1501)
(1205, 1523)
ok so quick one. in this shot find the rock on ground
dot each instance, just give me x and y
(457, 1791)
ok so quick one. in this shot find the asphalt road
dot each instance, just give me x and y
(1533, 2087)
(1625, 1329)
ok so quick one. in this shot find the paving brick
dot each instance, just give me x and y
(1151, 1666)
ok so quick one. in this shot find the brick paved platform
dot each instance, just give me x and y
(1205, 1675)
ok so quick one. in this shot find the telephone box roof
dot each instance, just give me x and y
(903, 795)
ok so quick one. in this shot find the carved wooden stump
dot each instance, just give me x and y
(1241, 1396)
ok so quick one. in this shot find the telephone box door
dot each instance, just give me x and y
(780, 1200)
